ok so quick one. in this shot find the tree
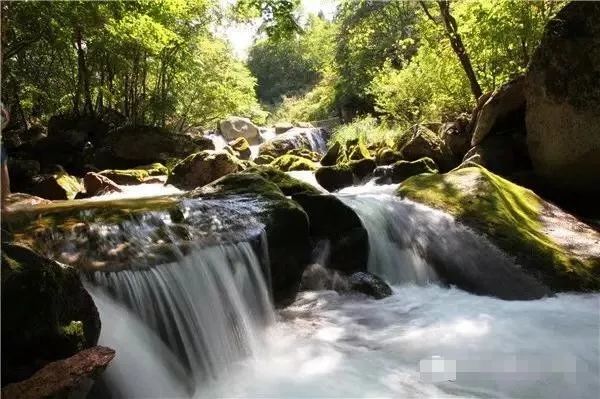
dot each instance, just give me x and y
(451, 29)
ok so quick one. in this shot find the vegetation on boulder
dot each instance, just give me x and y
(46, 313)
(517, 221)
(288, 162)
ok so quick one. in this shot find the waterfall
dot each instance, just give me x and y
(205, 311)
(412, 243)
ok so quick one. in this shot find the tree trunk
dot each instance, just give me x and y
(451, 29)
(458, 46)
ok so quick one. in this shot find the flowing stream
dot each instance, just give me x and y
(203, 326)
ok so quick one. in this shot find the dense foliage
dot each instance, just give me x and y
(407, 62)
(155, 62)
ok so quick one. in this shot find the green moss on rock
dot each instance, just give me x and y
(513, 218)
(286, 183)
(287, 163)
(46, 312)
(137, 175)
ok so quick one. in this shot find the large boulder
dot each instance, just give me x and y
(65, 378)
(285, 223)
(283, 127)
(369, 284)
(563, 98)
(313, 139)
(234, 127)
(503, 154)
(58, 186)
(550, 246)
(46, 313)
(424, 143)
(128, 146)
(202, 168)
(335, 222)
(503, 110)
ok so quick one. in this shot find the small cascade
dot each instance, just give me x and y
(206, 311)
(412, 243)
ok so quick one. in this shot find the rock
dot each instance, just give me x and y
(333, 178)
(312, 139)
(234, 127)
(286, 183)
(59, 186)
(552, 247)
(287, 163)
(457, 136)
(286, 226)
(333, 154)
(331, 220)
(501, 154)
(21, 172)
(362, 168)
(426, 144)
(357, 150)
(503, 109)
(122, 148)
(369, 284)
(96, 184)
(402, 170)
(304, 153)
(17, 201)
(263, 159)
(387, 156)
(46, 313)
(283, 127)
(562, 92)
(137, 175)
(70, 377)
(202, 168)
(242, 147)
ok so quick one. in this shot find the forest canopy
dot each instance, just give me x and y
(161, 62)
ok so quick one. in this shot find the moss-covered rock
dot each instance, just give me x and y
(58, 186)
(137, 175)
(202, 168)
(305, 153)
(357, 149)
(362, 168)
(402, 170)
(287, 163)
(333, 154)
(242, 147)
(46, 313)
(263, 159)
(286, 183)
(335, 177)
(425, 143)
(387, 156)
(549, 244)
(334, 221)
(286, 226)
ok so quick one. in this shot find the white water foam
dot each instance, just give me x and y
(206, 310)
(342, 346)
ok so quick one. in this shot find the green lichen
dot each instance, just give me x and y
(510, 216)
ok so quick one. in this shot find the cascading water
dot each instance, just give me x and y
(205, 310)
(425, 340)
